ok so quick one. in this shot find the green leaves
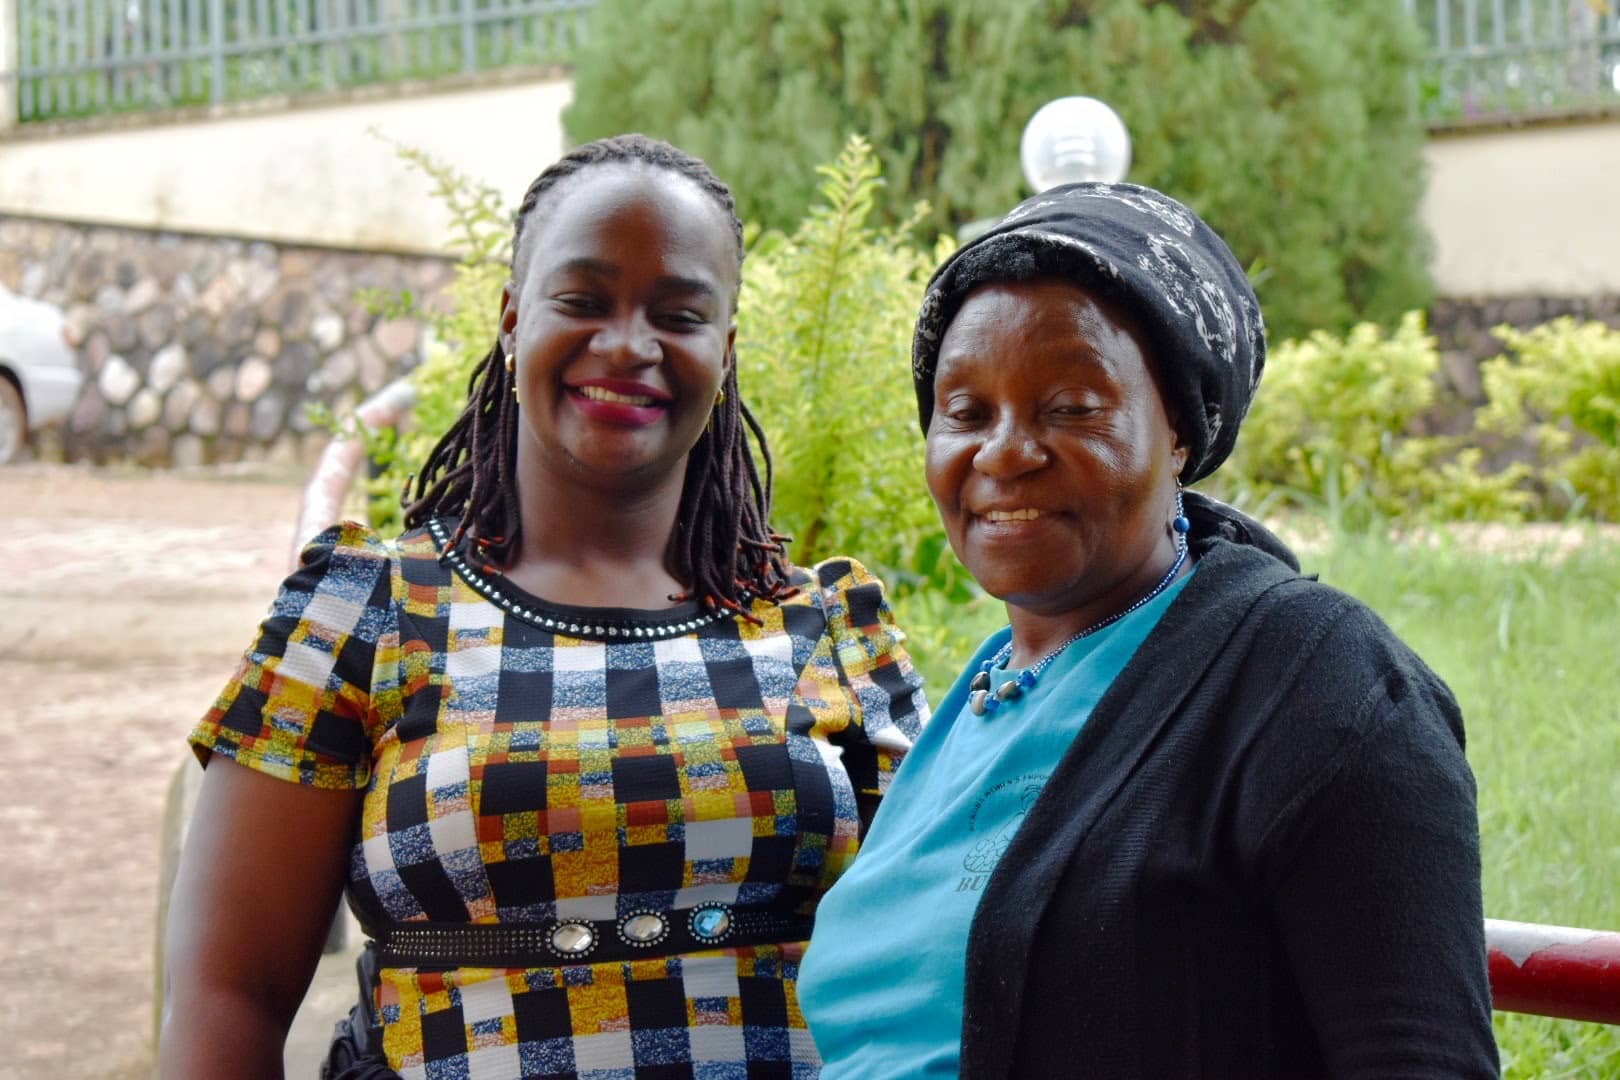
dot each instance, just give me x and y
(1561, 382)
(824, 358)
(1338, 429)
(824, 339)
(1288, 124)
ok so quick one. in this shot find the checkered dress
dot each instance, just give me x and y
(518, 774)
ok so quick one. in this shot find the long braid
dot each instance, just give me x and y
(723, 546)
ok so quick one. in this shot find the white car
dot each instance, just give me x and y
(39, 370)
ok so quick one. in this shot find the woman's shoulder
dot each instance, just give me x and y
(1316, 643)
(348, 537)
(1288, 601)
(843, 587)
(355, 552)
(849, 600)
(843, 572)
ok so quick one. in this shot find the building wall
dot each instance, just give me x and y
(202, 349)
(326, 175)
(1527, 211)
(1519, 212)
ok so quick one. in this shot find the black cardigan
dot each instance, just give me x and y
(1260, 857)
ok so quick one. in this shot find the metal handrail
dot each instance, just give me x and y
(89, 57)
(1559, 971)
(1494, 60)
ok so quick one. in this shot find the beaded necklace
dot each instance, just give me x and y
(982, 702)
(592, 625)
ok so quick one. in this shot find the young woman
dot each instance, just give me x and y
(583, 746)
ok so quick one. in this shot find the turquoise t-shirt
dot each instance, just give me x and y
(882, 983)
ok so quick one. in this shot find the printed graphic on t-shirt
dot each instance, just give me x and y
(996, 816)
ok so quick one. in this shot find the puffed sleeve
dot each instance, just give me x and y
(300, 704)
(886, 694)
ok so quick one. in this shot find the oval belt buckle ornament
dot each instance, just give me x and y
(710, 923)
(571, 939)
(643, 929)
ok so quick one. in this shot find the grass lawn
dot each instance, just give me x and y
(1531, 647)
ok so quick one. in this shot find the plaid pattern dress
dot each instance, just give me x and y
(614, 762)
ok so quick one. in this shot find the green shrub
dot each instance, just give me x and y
(461, 325)
(1288, 124)
(1330, 432)
(823, 343)
(1561, 382)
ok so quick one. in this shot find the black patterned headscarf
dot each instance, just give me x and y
(1154, 257)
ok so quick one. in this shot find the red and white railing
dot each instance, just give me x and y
(1554, 970)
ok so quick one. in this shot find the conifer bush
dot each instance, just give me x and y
(1289, 124)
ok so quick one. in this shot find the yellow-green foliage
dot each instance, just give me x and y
(462, 324)
(1330, 431)
(824, 347)
(1561, 381)
(823, 344)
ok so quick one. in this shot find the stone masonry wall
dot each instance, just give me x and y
(1463, 329)
(201, 350)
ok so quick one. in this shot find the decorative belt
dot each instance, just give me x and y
(639, 934)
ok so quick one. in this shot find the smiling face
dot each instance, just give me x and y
(619, 324)
(1050, 454)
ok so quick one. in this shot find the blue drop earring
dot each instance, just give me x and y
(1179, 523)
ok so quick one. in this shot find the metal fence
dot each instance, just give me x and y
(86, 57)
(1508, 59)
(1488, 59)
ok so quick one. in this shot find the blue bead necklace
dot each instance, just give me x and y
(982, 702)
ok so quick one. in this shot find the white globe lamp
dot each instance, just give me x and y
(1071, 139)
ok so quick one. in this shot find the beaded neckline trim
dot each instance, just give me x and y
(577, 622)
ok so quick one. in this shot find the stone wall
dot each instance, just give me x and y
(201, 350)
(1463, 329)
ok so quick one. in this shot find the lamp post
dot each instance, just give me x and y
(1069, 139)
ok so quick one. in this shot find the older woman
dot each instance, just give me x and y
(1191, 813)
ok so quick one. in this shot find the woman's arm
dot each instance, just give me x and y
(259, 877)
(1380, 907)
(887, 705)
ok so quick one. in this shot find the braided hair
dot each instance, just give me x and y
(723, 546)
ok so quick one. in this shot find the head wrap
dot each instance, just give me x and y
(1154, 257)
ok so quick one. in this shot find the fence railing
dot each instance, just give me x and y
(1508, 59)
(87, 57)
(1488, 59)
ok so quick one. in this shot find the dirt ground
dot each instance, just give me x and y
(125, 600)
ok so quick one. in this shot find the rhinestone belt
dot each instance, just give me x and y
(639, 934)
